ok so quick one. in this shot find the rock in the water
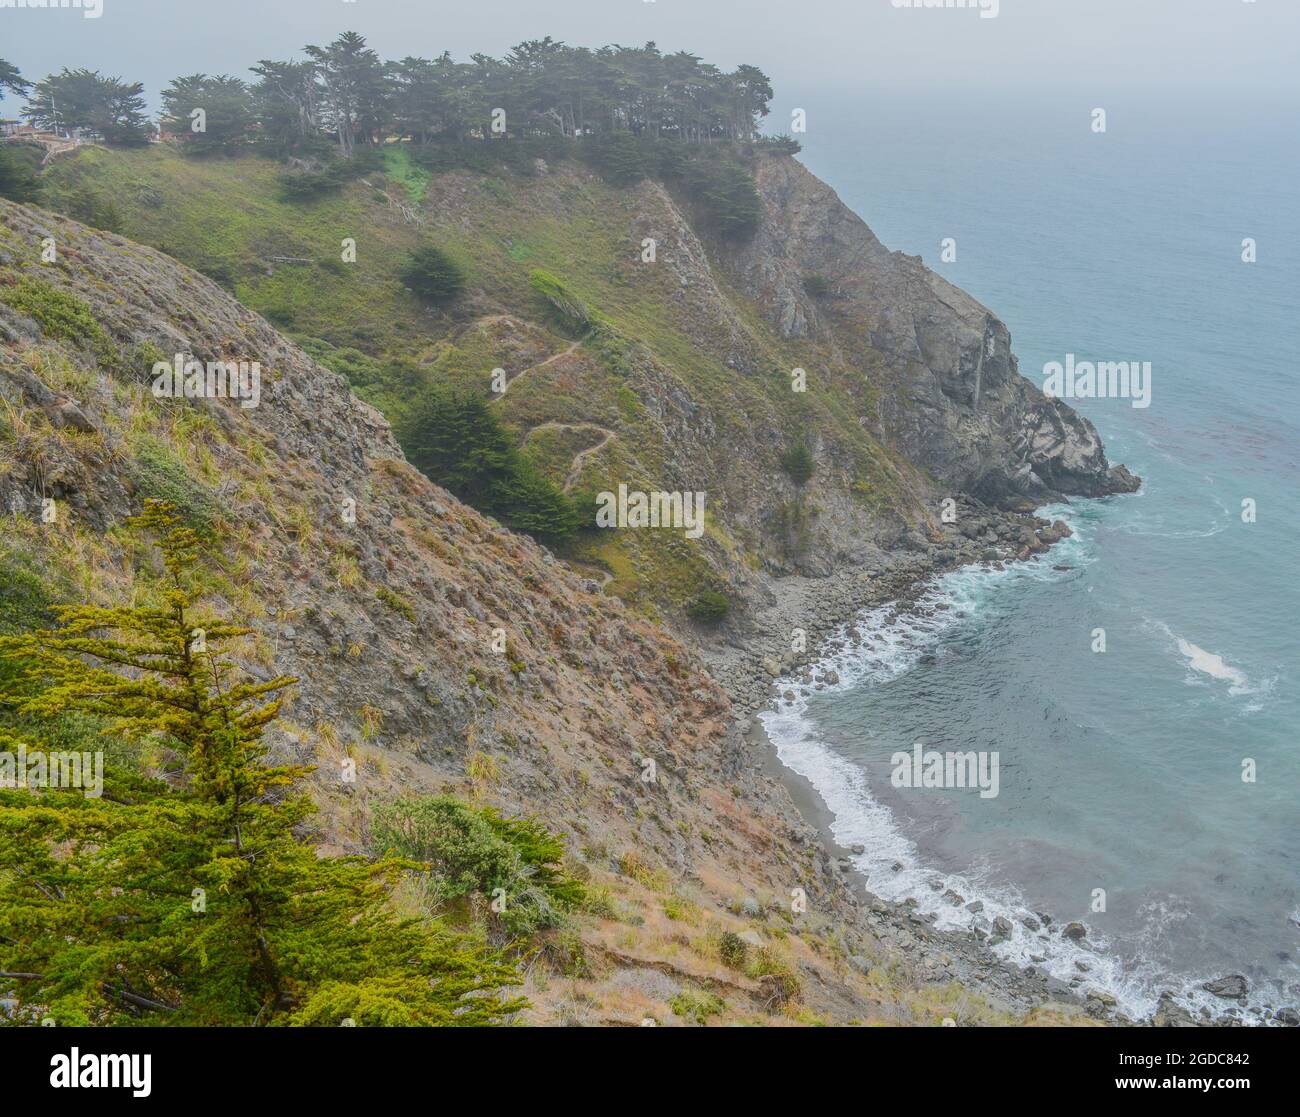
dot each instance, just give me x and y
(1232, 987)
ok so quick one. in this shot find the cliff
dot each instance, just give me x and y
(953, 401)
(912, 392)
(387, 597)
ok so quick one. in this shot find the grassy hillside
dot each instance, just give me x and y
(389, 621)
(683, 386)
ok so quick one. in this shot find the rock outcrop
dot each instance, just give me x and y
(433, 647)
(960, 408)
(908, 393)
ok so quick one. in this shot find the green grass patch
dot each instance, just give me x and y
(410, 176)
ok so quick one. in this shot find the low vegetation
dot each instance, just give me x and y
(187, 895)
(710, 607)
(457, 440)
(476, 860)
(433, 275)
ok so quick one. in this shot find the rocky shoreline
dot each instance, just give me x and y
(747, 660)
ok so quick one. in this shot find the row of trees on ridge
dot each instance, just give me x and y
(345, 94)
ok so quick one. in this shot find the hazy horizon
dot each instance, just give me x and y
(1206, 46)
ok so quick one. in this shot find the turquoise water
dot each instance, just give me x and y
(1121, 770)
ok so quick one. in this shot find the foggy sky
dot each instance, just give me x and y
(805, 46)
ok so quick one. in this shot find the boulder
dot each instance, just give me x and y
(1233, 987)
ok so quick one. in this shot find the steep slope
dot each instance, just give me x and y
(438, 650)
(958, 406)
(912, 390)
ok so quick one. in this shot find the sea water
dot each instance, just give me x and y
(1150, 790)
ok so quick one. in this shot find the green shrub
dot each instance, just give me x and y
(474, 851)
(20, 165)
(528, 501)
(61, 315)
(681, 910)
(569, 307)
(567, 953)
(779, 145)
(90, 208)
(458, 441)
(733, 950)
(433, 275)
(599, 901)
(798, 463)
(160, 475)
(280, 314)
(696, 1004)
(618, 157)
(396, 602)
(25, 599)
(709, 607)
(817, 286)
(307, 186)
(725, 191)
(634, 865)
(783, 981)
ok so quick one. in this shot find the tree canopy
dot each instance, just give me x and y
(194, 899)
(226, 106)
(12, 80)
(457, 440)
(87, 100)
(542, 87)
(344, 94)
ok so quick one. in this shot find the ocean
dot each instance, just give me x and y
(1121, 800)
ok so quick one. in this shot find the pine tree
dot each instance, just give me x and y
(799, 464)
(433, 275)
(11, 79)
(197, 902)
(457, 440)
(227, 107)
(87, 99)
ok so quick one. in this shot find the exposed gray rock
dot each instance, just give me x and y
(1231, 987)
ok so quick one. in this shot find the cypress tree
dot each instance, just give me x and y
(195, 901)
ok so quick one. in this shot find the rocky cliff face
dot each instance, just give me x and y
(436, 649)
(957, 405)
(449, 654)
(912, 392)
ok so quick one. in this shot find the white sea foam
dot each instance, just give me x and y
(890, 642)
(1210, 664)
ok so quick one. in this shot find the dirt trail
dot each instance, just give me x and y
(533, 368)
(580, 458)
